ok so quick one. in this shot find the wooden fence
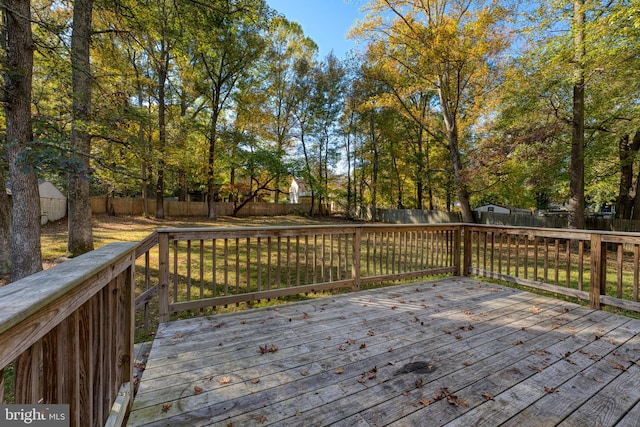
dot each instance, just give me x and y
(173, 208)
(68, 332)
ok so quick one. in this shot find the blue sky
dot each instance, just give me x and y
(325, 21)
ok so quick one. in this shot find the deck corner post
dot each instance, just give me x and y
(466, 247)
(163, 277)
(598, 270)
(355, 264)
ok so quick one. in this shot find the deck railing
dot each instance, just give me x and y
(67, 332)
(595, 266)
(205, 268)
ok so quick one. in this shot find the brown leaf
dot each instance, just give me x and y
(405, 393)
(419, 383)
(260, 419)
(469, 313)
(351, 341)
(342, 347)
(197, 390)
(487, 395)
(363, 345)
(305, 316)
(304, 373)
(339, 371)
(393, 307)
(225, 380)
(371, 333)
(550, 390)
(372, 373)
(467, 363)
(519, 342)
(425, 402)
(268, 349)
(166, 407)
(255, 381)
(177, 335)
(458, 336)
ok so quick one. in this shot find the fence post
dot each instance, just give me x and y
(457, 247)
(466, 258)
(598, 271)
(163, 277)
(355, 264)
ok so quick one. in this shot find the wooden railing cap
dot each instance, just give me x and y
(20, 299)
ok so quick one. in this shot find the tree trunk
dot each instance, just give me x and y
(163, 67)
(26, 256)
(627, 152)
(5, 224)
(80, 238)
(576, 184)
(452, 138)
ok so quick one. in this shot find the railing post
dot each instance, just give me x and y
(355, 264)
(457, 243)
(163, 277)
(466, 258)
(598, 270)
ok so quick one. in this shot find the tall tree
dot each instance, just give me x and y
(576, 184)
(26, 257)
(79, 215)
(452, 48)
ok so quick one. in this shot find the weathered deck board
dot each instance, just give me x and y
(491, 355)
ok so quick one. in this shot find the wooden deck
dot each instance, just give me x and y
(456, 352)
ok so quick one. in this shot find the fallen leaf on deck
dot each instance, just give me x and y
(371, 333)
(305, 316)
(177, 335)
(351, 342)
(446, 331)
(519, 342)
(469, 313)
(535, 310)
(363, 345)
(225, 380)
(255, 380)
(467, 363)
(393, 307)
(419, 383)
(342, 347)
(458, 336)
(260, 419)
(405, 393)
(267, 349)
(197, 390)
(372, 373)
(425, 402)
(390, 350)
(550, 390)
(487, 396)
(304, 373)
(166, 407)
(339, 371)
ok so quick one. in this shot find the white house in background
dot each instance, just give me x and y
(53, 204)
(297, 190)
(502, 209)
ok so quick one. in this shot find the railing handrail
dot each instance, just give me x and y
(27, 296)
